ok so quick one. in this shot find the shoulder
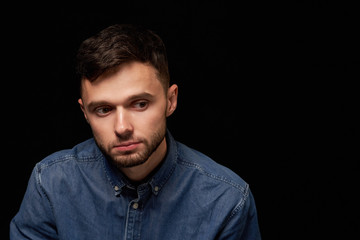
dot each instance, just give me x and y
(210, 170)
(84, 151)
(62, 163)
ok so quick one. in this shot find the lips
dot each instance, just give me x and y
(127, 146)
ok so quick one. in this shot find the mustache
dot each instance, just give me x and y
(128, 137)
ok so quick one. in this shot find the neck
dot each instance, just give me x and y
(139, 173)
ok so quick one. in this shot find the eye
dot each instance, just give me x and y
(141, 105)
(102, 111)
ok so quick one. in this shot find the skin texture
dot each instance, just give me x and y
(127, 110)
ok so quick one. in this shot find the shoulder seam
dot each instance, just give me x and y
(238, 206)
(213, 176)
(38, 169)
(67, 157)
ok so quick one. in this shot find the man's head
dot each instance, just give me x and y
(125, 93)
(122, 43)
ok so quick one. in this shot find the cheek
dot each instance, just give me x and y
(158, 115)
(150, 120)
(101, 128)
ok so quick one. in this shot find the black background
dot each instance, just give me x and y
(267, 90)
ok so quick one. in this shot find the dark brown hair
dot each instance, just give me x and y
(121, 43)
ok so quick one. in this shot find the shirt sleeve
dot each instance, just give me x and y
(243, 222)
(34, 219)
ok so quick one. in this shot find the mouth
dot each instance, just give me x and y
(127, 146)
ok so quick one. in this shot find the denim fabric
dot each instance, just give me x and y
(76, 194)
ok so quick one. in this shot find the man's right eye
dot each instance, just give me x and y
(102, 111)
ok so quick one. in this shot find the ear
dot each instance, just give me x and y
(83, 108)
(172, 96)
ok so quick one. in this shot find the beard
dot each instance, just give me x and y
(128, 159)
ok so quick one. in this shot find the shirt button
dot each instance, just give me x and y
(156, 188)
(116, 188)
(135, 205)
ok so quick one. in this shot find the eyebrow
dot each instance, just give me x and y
(131, 98)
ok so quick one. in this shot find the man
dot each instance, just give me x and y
(132, 180)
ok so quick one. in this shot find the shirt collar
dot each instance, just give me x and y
(168, 165)
(118, 181)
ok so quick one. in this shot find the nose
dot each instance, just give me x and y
(123, 126)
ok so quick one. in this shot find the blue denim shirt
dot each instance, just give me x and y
(76, 194)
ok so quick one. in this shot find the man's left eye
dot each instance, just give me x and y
(141, 104)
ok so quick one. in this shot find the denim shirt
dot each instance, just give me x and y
(76, 194)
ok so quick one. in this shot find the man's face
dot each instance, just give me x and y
(127, 112)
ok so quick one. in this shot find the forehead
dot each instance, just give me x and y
(126, 80)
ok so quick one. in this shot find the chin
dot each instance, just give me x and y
(129, 161)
